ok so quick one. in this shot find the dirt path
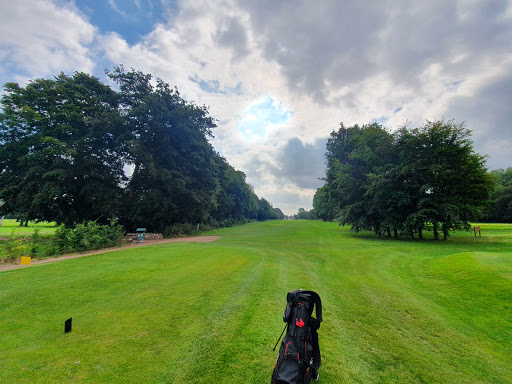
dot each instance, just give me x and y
(193, 239)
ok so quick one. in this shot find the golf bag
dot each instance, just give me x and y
(299, 355)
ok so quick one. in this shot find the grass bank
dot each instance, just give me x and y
(394, 311)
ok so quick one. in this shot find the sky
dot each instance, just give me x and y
(280, 76)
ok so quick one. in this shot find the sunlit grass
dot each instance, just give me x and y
(10, 227)
(394, 311)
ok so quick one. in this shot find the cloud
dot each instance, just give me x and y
(280, 76)
(44, 39)
(260, 117)
(233, 34)
(487, 114)
(334, 44)
(302, 164)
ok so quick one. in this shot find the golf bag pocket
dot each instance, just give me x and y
(290, 367)
(287, 370)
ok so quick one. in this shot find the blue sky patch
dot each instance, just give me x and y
(258, 116)
(131, 19)
(213, 86)
(381, 120)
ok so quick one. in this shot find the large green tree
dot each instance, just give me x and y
(406, 181)
(66, 143)
(354, 154)
(62, 150)
(450, 181)
(174, 176)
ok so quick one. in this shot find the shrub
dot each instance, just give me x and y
(88, 236)
(16, 247)
(179, 229)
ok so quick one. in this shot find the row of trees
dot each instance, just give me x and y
(427, 177)
(302, 214)
(66, 145)
(500, 205)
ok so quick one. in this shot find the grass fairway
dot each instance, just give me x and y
(10, 227)
(394, 311)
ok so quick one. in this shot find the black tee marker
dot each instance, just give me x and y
(67, 325)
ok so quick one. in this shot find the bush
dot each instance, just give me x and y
(88, 236)
(16, 247)
(84, 237)
(179, 230)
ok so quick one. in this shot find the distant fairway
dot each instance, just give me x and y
(12, 226)
(394, 311)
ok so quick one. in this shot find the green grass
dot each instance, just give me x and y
(12, 226)
(394, 311)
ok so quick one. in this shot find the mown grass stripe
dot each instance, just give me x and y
(394, 311)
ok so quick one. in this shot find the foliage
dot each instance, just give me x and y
(88, 236)
(235, 198)
(36, 245)
(500, 206)
(62, 150)
(322, 204)
(179, 230)
(15, 248)
(174, 176)
(302, 214)
(65, 144)
(403, 182)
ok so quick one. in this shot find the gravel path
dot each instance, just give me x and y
(193, 239)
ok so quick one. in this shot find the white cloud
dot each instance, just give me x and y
(41, 38)
(327, 62)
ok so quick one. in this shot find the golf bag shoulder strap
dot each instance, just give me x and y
(318, 304)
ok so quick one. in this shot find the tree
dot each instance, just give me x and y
(406, 181)
(302, 214)
(353, 155)
(64, 145)
(265, 210)
(62, 152)
(500, 202)
(174, 178)
(322, 204)
(279, 215)
(235, 197)
(451, 184)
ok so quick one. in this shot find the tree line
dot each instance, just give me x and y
(404, 182)
(499, 209)
(66, 145)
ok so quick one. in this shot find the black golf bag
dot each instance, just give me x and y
(299, 355)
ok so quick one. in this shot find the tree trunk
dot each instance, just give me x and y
(396, 233)
(420, 232)
(445, 235)
(2, 221)
(389, 232)
(436, 233)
